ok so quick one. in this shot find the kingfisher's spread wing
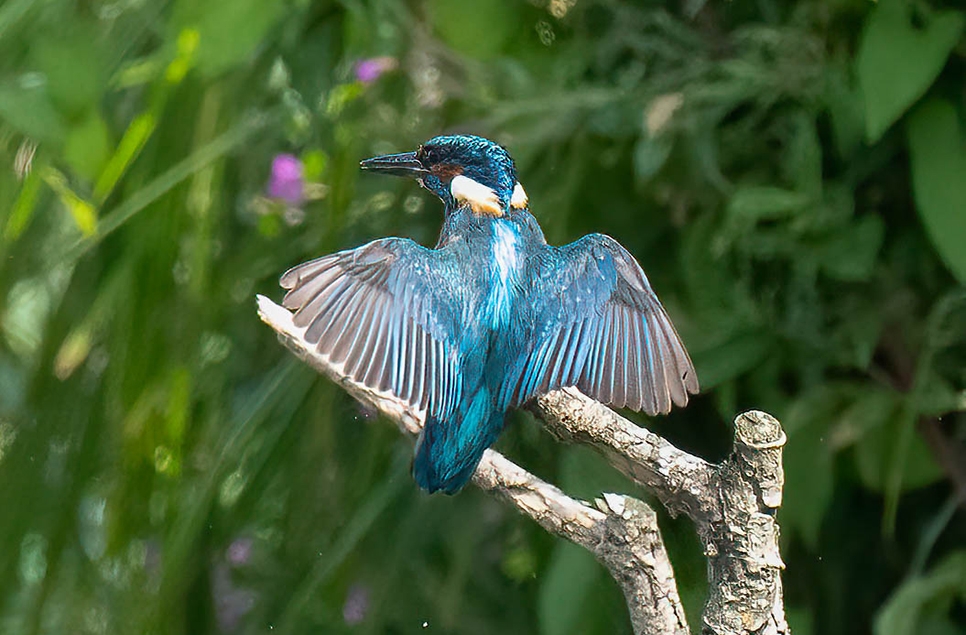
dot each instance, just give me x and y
(599, 326)
(388, 314)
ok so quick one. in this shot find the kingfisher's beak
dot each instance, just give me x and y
(402, 164)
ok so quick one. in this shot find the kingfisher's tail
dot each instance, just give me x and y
(448, 452)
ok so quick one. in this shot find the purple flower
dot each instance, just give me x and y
(286, 182)
(356, 604)
(369, 70)
(232, 603)
(239, 551)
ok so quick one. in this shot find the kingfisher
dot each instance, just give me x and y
(489, 318)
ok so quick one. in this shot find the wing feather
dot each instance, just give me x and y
(640, 372)
(377, 360)
(600, 327)
(632, 394)
(386, 312)
(660, 378)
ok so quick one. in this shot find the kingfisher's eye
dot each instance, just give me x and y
(427, 155)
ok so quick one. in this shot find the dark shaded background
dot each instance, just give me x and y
(791, 175)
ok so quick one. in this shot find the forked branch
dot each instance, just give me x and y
(732, 504)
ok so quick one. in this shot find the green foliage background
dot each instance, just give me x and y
(791, 175)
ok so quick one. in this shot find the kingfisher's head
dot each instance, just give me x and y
(462, 170)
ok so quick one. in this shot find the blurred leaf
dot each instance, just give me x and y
(571, 575)
(178, 406)
(909, 453)
(936, 625)
(808, 458)
(725, 397)
(932, 529)
(341, 96)
(519, 564)
(270, 224)
(857, 337)
(802, 161)
(898, 60)
(88, 146)
(870, 409)
(314, 164)
(72, 353)
(139, 72)
(24, 206)
(84, 214)
(137, 134)
(850, 255)
(26, 106)
(752, 203)
(346, 541)
(720, 303)
(27, 307)
(186, 44)
(801, 620)
(168, 179)
(844, 103)
(917, 598)
(808, 478)
(12, 382)
(613, 119)
(938, 397)
(478, 29)
(71, 61)
(227, 37)
(738, 355)
(937, 149)
(693, 7)
(586, 475)
(875, 454)
(11, 12)
(650, 154)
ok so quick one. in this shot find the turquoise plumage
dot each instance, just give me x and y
(491, 317)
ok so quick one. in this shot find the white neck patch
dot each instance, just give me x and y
(519, 199)
(480, 198)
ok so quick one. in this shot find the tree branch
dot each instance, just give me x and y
(681, 481)
(732, 505)
(741, 539)
(620, 531)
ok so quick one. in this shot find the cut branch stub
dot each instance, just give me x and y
(732, 505)
(744, 561)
